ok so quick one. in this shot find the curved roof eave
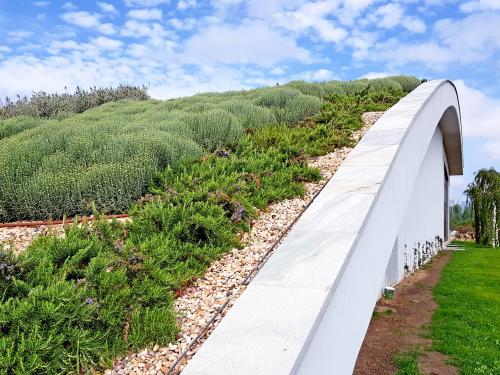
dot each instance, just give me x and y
(451, 127)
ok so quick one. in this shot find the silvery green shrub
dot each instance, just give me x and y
(308, 88)
(107, 155)
(248, 114)
(213, 128)
(297, 109)
(277, 97)
(407, 83)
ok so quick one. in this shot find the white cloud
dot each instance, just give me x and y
(345, 11)
(31, 47)
(316, 75)
(107, 43)
(145, 3)
(179, 83)
(107, 7)
(279, 70)
(82, 19)
(41, 4)
(473, 38)
(480, 118)
(87, 65)
(19, 34)
(3, 50)
(183, 24)
(373, 75)
(481, 114)
(254, 43)
(480, 6)
(361, 42)
(89, 20)
(264, 9)
(392, 15)
(25, 74)
(56, 46)
(313, 16)
(351, 9)
(138, 50)
(59, 34)
(90, 50)
(186, 4)
(414, 24)
(397, 53)
(145, 14)
(69, 6)
(137, 29)
(329, 32)
(481, 134)
(107, 28)
(457, 186)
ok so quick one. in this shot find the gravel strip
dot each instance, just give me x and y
(199, 304)
(18, 239)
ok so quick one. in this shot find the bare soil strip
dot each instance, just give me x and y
(198, 306)
(399, 325)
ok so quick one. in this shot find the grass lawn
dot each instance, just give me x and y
(466, 326)
(407, 363)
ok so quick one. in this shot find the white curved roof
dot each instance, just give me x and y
(307, 310)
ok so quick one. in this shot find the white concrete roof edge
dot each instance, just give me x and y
(312, 243)
(437, 83)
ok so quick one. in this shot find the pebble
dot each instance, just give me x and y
(18, 239)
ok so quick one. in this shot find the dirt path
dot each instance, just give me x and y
(398, 326)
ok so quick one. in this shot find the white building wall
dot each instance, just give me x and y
(422, 228)
(307, 310)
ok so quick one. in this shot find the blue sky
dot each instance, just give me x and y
(180, 47)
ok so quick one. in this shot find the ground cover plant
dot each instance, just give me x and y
(466, 325)
(106, 157)
(70, 305)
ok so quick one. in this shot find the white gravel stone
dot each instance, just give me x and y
(18, 238)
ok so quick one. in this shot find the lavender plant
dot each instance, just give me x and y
(44, 105)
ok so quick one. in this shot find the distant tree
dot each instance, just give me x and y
(483, 197)
(461, 215)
